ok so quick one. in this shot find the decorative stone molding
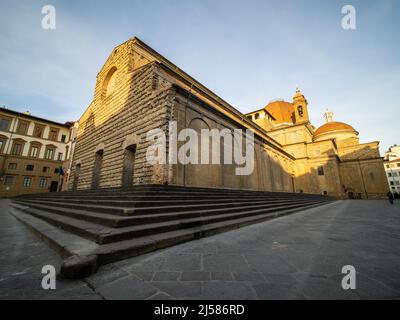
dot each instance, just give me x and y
(130, 140)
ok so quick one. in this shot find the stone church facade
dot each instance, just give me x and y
(138, 90)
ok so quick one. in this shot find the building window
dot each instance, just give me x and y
(398, 165)
(257, 116)
(2, 145)
(321, 171)
(389, 174)
(60, 156)
(5, 124)
(49, 154)
(8, 181)
(22, 127)
(17, 148)
(34, 152)
(46, 169)
(391, 183)
(30, 167)
(12, 166)
(38, 131)
(27, 182)
(43, 183)
(57, 170)
(53, 134)
(109, 83)
(387, 166)
(63, 138)
(300, 111)
(250, 117)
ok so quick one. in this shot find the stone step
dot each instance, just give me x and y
(103, 235)
(170, 191)
(137, 203)
(152, 198)
(116, 221)
(120, 223)
(129, 211)
(113, 252)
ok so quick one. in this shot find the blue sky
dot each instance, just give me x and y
(247, 52)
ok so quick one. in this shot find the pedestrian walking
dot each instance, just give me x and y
(390, 197)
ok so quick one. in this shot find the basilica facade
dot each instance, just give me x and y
(138, 91)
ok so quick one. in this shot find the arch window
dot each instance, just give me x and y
(109, 82)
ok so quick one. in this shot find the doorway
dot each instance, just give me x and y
(128, 166)
(53, 186)
(98, 162)
(76, 177)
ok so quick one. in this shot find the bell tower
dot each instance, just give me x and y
(300, 107)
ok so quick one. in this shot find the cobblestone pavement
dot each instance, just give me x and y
(295, 257)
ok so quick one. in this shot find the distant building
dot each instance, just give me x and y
(392, 168)
(393, 153)
(33, 153)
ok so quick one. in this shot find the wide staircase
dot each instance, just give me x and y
(95, 227)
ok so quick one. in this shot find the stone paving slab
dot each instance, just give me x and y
(295, 257)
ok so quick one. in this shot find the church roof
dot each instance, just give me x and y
(332, 127)
(282, 111)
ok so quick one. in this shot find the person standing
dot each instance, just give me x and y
(390, 197)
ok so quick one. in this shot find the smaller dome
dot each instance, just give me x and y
(333, 127)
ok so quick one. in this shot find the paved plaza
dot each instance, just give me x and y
(300, 256)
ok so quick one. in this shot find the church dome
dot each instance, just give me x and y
(282, 111)
(336, 130)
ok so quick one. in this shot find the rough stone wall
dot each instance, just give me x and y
(273, 170)
(138, 104)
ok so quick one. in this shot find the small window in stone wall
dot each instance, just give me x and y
(8, 181)
(12, 166)
(43, 183)
(321, 171)
(27, 182)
